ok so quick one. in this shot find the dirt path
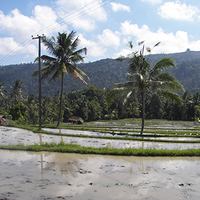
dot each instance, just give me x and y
(31, 176)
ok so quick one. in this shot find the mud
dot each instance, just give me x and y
(28, 175)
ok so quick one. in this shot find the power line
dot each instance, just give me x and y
(62, 19)
(14, 52)
(72, 16)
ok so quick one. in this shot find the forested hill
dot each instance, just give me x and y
(103, 73)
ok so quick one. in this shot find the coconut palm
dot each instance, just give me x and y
(144, 77)
(16, 93)
(2, 90)
(64, 58)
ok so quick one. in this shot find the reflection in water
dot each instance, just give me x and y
(27, 175)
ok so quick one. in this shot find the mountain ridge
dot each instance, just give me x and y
(103, 73)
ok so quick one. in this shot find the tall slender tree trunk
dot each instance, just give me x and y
(143, 111)
(61, 96)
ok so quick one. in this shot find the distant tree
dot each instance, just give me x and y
(16, 93)
(32, 109)
(2, 90)
(143, 77)
(65, 56)
(18, 111)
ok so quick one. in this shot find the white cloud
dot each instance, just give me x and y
(178, 11)
(93, 49)
(7, 45)
(108, 38)
(170, 43)
(118, 6)
(153, 1)
(84, 24)
(18, 28)
(9, 48)
(22, 27)
(81, 14)
(122, 53)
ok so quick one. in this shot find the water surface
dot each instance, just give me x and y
(44, 175)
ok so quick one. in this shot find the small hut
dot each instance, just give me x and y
(3, 120)
(76, 120)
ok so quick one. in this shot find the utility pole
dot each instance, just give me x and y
(39, 57)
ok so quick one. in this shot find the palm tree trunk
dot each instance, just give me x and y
(61, 95)
(143, 111)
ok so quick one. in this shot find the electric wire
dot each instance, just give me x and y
(14, 52)
(72, 17)
(69, 18)
(25, 43)
(62, 19)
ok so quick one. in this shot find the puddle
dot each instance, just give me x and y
(16, 136)
(44, 175)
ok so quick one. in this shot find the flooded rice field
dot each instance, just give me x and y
(92, 133)
(157, 124)
(44, 175)
(14, 136)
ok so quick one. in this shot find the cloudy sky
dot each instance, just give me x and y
(104, 26)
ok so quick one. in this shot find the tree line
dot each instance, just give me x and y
(91, 104)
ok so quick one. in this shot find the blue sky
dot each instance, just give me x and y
(104, 26)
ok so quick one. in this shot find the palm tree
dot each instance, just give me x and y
(143, 77)
(2, 91)
(64, 58)
(16, 94)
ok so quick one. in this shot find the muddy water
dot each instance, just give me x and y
(44, 175)
(16, 136)
(92, 133)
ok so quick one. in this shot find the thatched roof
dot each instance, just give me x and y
(76, 119)
(3, 119)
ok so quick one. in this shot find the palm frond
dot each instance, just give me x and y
(170, 95)
(174, 85)
(82, 73)
(118, 92)
(48, 69)
(46, 58)
(75, 44)
(161, 65)
(127, 85)
(156, 44)
(50, 44)
(56, 74)
(164, 77)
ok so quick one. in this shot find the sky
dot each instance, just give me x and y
(104, 27)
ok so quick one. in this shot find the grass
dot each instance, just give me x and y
(73, 148)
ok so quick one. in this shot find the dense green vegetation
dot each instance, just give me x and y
(90, 104)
